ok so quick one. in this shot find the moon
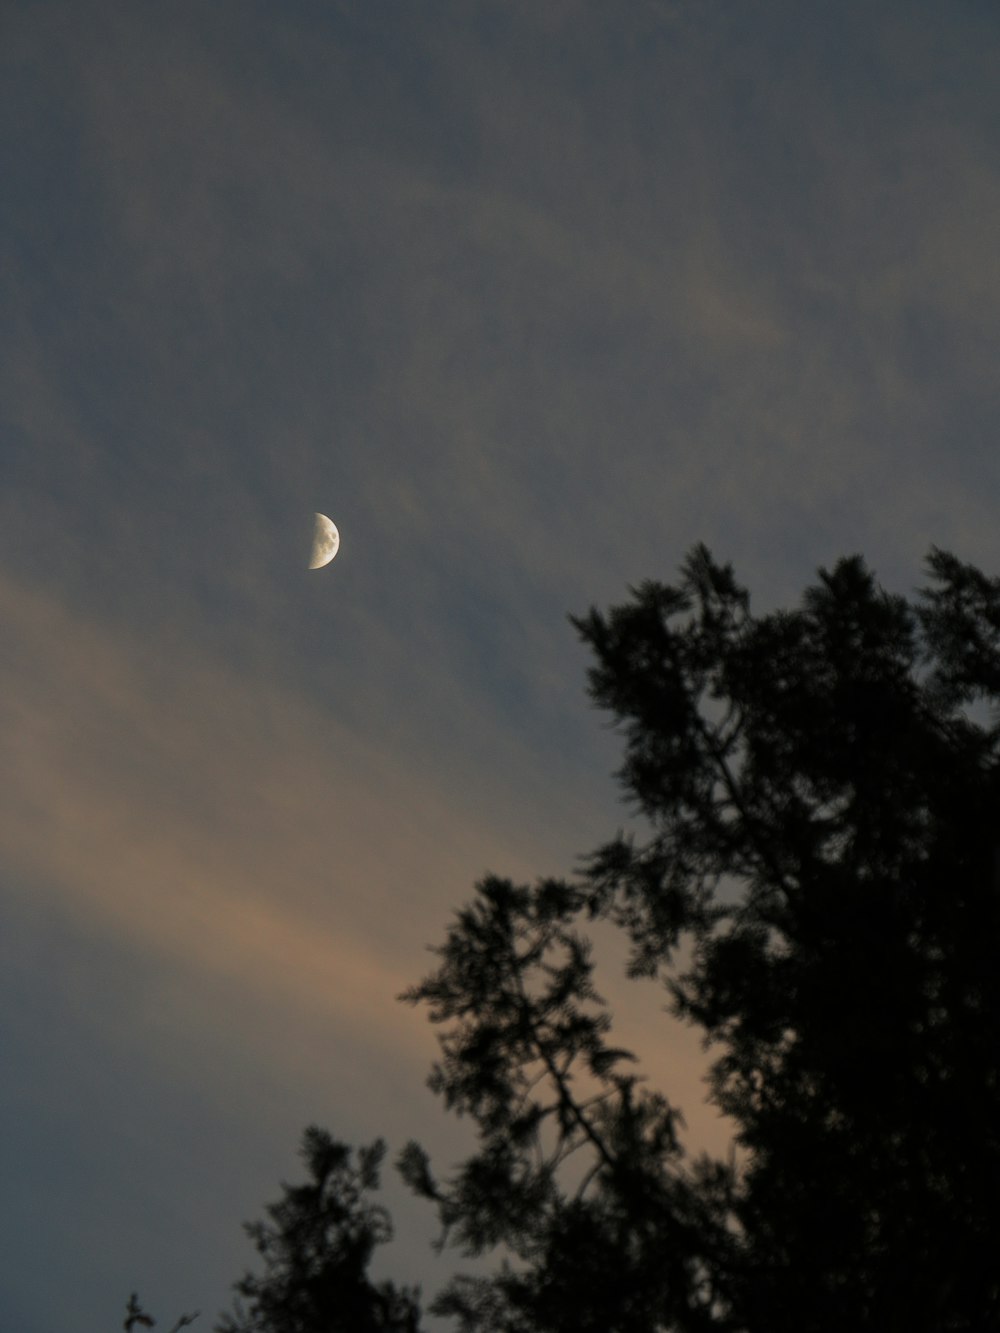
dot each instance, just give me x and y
(326, 542)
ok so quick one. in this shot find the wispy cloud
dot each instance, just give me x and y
(219, 829)
(710, 295)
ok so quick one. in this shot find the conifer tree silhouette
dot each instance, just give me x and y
(816, 888)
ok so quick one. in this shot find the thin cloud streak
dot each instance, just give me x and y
(130, 756)
(223, 830)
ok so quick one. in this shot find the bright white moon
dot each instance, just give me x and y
(326, 542)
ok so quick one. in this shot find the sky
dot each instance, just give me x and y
(529, 297)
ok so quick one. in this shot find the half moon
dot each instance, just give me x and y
(326, 542)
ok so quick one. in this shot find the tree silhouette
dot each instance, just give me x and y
(316, 1248)
(822, 836)
(136, 1315)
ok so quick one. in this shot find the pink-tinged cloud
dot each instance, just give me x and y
(241, 843)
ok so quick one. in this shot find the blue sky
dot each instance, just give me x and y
(529, 298)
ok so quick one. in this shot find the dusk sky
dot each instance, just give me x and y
(528, 296)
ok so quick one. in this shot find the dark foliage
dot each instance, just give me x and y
(818, 890)
(136, 1315)
(316, 1249)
